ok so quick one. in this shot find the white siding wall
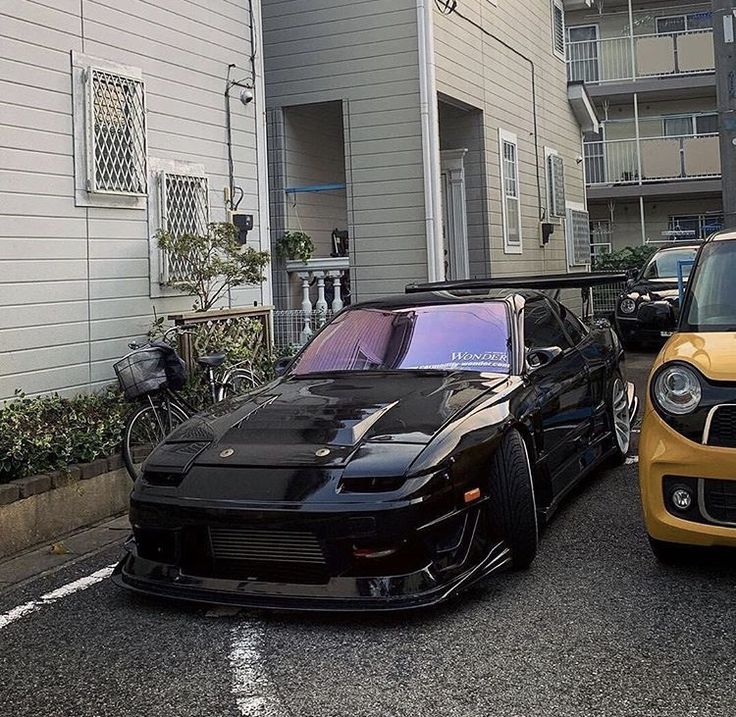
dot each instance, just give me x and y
(74, 281)
(364, 53)
(480, 72)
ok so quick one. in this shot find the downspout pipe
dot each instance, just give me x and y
(430, 142)
(259, 88)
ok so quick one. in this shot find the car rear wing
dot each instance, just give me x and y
(586, 282)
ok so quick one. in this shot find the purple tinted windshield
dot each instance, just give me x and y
(464, 337)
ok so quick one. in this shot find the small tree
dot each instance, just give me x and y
(212, 263)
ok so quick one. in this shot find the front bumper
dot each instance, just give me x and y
(180, 557)
(665, 454)
(630, 329)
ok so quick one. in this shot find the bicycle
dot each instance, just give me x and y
(155, 372)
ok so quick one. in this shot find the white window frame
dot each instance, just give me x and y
(505, 137)
(558, 5)
(157, 212)
(685, 16)
(81, 65)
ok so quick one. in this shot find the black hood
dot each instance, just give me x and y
(321, 420)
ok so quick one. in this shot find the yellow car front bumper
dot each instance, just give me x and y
(664, 452)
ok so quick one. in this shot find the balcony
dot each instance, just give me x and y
(652, 159)
(324, 291)
(639, 57)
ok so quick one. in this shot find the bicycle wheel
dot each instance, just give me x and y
(145, 428)
(240, 381)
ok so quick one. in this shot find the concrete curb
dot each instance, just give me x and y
(42, 516)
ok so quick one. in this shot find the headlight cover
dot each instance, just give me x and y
(677, 390)
(627, 306)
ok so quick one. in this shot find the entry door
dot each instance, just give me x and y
(454, 214)
(583, 54)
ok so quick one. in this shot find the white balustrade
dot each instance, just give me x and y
(314, 273)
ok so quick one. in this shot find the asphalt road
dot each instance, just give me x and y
(596, 627)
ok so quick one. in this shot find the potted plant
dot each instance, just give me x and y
(295, 246)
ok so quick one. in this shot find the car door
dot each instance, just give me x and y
(564, 394)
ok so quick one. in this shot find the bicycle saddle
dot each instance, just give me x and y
(212, 361)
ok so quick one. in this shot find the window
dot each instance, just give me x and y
(116, 134)
(578, 237)
(184, 205)
(461, 337)
(696, 226)
(664, 264)
(573, 326)
(542, 329)
(684, 23)
(690, 125)
(555, 184)
(583, 53)
(601, 237)
(558, 28)
(712, 302)
(510, 200)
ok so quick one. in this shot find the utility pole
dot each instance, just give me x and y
(724, 34)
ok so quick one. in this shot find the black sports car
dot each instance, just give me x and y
(413, 447)
(647, 312)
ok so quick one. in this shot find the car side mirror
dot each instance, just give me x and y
(631, 276)
(282, 366)
(537, 358)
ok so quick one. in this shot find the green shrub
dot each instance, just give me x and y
(632, 257)
(48, 433)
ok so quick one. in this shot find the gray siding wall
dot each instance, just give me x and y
(75, 283)
(479, 72)
(366, 54)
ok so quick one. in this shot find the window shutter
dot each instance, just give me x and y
(558, 29)
(556, 177)
(578, 238)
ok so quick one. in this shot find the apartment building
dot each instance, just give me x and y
(653, 171)
(113, 124)
(422, 139)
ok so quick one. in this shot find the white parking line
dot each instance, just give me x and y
(20, 611)
(255, 694)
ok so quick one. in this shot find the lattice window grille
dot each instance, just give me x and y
(578, 237)
(556, 179)
(185, 209)
(116, 117)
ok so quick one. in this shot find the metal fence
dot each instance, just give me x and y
(292, 329)
(604, 299)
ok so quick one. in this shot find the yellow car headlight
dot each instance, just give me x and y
(677, 390)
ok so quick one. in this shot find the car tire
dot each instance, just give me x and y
(667, 553)
(512, 503)
(618, 416)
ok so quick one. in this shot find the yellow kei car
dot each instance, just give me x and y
(687, 452)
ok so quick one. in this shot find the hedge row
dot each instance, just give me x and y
(48, 433)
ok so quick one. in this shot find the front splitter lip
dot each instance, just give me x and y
(144, 576)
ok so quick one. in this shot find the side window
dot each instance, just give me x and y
(541, 327)
(573, 326)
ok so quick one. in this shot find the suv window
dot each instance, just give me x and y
(575, 328)
(541, 327)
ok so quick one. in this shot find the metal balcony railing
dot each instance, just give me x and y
(652, 159)
(628, 58)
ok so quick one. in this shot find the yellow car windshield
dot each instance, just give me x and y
(711, 304)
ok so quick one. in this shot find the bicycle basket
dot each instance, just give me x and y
(142, 372)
